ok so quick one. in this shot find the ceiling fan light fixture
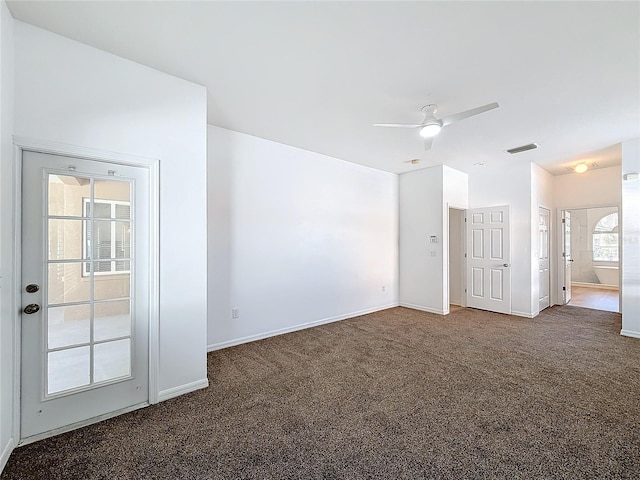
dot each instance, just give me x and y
(581, 168)
(430, 130)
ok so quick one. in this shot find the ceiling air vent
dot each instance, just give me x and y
(523, 148)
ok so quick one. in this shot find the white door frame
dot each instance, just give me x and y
(567, 259)
(447, 288)
(550, 255)
(558, 242)
(153, 166)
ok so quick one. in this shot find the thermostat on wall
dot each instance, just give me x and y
(434, 239)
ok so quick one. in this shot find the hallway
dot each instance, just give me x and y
(595, 298)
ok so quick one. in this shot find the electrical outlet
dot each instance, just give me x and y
(384, 288)
(235, 312)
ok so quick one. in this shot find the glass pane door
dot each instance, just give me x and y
(86, 263)
(89, 326)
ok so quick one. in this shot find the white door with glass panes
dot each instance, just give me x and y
(85, 291)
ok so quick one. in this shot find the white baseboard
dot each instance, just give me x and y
(295, 328)
(182, 389)
(523, 314)
(6, 452)
(602, 286)
(630, 333)
(423, 309)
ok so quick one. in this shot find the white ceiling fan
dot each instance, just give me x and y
(431, 125)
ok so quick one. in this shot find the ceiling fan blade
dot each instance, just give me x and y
(398, 125)
(427, 143)
(468, 113)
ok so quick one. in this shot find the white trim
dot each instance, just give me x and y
(153, 166)
(601, 286)
(68, 150)
(154, 282)
(83, 423)
(182, 389)
(4, 458)
(524, 314)
(630, 333)
(424, 309)
(16, 301)
(301, 326)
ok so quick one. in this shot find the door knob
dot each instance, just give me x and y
(31, 308)
(506, 265)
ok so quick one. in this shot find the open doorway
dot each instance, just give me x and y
(457, 295)
(591, 257)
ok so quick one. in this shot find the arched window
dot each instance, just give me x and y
(605, 239)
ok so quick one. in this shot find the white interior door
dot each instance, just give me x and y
(489, 259)
(544, 216)
(566, 255)
(85, 291)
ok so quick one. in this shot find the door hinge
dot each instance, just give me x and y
(563, 221)
(465, 290)
(564, 289)
(465, 255)
(564, 254)
(465, 219)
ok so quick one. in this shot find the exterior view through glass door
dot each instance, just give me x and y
(85, 264)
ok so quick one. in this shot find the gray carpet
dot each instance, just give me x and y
(397, 394)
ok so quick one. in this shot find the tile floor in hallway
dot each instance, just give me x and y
(595, 298)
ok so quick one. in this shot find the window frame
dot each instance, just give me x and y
(85, 254)
(599, 233)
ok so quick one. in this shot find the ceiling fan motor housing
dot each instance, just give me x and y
(430, 128)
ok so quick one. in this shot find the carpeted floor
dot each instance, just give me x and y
(398, 394)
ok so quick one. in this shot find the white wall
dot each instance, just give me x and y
(6, 236)
(70, 93)
(630, 288)
(295, 238)
(421, 262)
(509, 183)
(594, 188)
(425, 198)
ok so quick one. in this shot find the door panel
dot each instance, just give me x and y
(85, 237)
(497, 282)
(566, 255)
(497, 252)
(488, 259)
(544, 274)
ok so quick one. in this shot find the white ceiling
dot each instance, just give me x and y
(317, 75)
